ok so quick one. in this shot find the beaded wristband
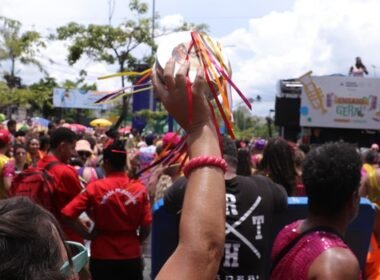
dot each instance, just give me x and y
(202, 161)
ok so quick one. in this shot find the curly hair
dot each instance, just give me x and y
(29, 249)
(278, 164)
(244, 166)
(331, 174)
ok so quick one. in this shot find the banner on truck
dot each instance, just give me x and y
(340, 102)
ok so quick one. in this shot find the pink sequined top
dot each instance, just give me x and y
(296, 263)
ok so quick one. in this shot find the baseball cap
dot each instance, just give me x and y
(5, 136)
(171, 137)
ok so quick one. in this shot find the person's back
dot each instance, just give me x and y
(251, 204)
(299, 258)
(67, 184)
(314, 248)
(121, 213)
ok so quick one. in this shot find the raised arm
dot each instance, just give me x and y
(201, 238)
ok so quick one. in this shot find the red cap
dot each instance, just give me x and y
(172, 138)
(5, 136)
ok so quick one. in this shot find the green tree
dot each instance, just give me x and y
(43, 100)
(112, 44)
(16, 46)
(155, 120)
(115, 44)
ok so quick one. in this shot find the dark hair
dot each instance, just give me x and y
(31, 139)
(370, 157)
(18, 146)
(44, 142)
(331, 174)
(29, 249)
(149, 139)
(19, 132)
(11, 123)
(278, 163)
(116, 155)
(304, 148)
(61, 134)
(230, 152)
(244, 166)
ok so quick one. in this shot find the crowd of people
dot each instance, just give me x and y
(227, 194)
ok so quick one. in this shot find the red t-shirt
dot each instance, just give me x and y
(118, 206)
(67, 186)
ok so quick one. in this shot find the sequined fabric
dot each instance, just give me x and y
(296, 263)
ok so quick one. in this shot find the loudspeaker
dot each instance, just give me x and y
(287, 111)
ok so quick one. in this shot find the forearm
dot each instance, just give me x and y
(144, 233)
(202, 223)
(78, 227)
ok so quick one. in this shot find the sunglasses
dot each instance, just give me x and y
(79, 260)
(84, 154)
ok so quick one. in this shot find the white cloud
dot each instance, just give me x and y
(171, 22)
(324, 36)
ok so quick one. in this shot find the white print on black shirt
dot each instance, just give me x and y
(231, 251)
(258, 221)
(231, 205)
(231, 255)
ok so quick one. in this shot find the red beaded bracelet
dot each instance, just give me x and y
(204, 161)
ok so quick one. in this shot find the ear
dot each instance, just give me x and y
(61, 146)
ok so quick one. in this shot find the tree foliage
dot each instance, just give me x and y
(16, 46)
(155, 120)
(110, 44)
(248, 126)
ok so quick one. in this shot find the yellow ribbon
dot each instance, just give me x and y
(128, 73)
(124, 94)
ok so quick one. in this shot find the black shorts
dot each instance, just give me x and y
(116, 269)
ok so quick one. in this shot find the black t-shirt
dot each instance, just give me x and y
(251, 203)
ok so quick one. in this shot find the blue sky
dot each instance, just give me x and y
(267, 40)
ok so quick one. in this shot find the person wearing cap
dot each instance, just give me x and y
(120, 209)
(5, 140)
(86, 172)
(375, 147)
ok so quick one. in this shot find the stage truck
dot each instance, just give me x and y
(319, 109)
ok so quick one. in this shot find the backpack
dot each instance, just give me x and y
(37, 184)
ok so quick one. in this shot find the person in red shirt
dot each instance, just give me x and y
(120, 209)
(67, 185)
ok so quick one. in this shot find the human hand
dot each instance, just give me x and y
(172, 92)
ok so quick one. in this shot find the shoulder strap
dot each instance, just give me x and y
(51, 164)
(291, 244)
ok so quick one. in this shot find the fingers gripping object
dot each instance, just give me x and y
(202, 52)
